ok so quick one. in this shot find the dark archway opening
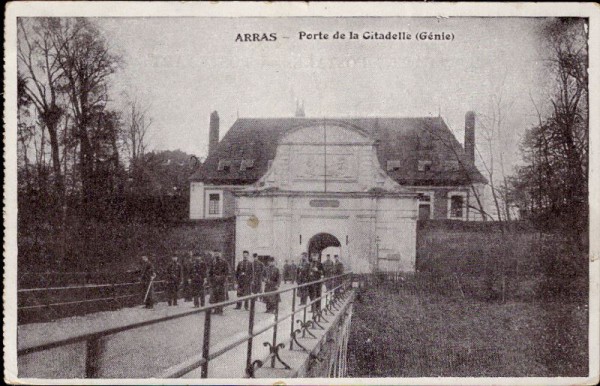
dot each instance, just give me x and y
(320, 241)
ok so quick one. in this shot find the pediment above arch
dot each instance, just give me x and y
(326, 157)
(327, 133)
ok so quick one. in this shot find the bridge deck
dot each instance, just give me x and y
(150, 350)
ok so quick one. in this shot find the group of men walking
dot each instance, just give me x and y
(211, 270)
(192, 275)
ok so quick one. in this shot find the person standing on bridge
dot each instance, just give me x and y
(302, 277)
(293, 272)
(218, 280)
(258, 274)
(173, 280)
(338, 269)
(148, 275)
(243, 276)
(315, 274)
(198, 275)
(186, 273)
(328, 272)
(272, 283)
(286, 272)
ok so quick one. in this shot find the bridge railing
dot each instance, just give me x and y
(49, 303)
(320, 308)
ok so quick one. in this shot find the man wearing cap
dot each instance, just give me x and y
(218, 280)
(243, 276)
(173, 280)
(258, 274)
(148, 275)
(302, 277)
(338, 269)
(328, 272)
(286, 272)
(198, 275)
(186, 273)
(293, 272)
(272, 283)
(315, 274)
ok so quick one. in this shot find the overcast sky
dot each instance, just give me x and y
(187, 67)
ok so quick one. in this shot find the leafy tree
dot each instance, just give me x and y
(552, 185)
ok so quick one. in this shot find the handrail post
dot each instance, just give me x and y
(293, 317)
(206, 343)
(250, 332)
(304, 322)
(275, 331)
(93, 351)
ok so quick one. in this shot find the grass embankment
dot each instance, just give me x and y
(399, 332)
(483, 303)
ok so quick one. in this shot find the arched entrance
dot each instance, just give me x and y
(320, 241)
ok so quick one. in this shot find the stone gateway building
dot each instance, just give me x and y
(304, 184)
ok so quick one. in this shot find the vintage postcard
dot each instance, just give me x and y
(301, 193)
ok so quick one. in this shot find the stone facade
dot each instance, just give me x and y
(328, 181)
(304, 184)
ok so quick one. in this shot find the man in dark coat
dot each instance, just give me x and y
(338, 269)
(243, 276)
(148, 275)
(286, 272)
(218, 281)
(186, 273)
(198, 276)
(173, 280)
(328, 272)
(272, 283)
(315, 274)
(258, 274)
(302, 277)
(293, 271)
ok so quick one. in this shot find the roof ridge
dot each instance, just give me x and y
(348, 117)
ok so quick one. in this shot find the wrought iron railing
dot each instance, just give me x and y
(339, 290)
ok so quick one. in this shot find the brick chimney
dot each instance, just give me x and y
(470, 136)
(213, 132)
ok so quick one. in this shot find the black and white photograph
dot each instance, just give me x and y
(287, 193)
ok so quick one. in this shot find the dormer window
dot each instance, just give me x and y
(224, 166)
(393, 165)
(246, 164)
(452, 165)
(424, 165)
(269, 164)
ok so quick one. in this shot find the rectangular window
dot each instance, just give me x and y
(270, 163)
(425, 205)
(246, 164)
(457, 205)
(214, 200)
(424, 165)
(224, 165)
(393, 165)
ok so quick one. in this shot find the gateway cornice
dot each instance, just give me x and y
(295, 193)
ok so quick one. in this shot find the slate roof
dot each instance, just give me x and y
(406, 140)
